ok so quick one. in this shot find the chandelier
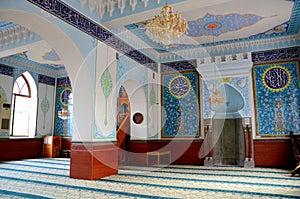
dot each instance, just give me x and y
(166, 29)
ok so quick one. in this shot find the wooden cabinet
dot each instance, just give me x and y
(52, 146)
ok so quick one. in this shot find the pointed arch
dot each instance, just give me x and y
(24, 106)
(138, 103)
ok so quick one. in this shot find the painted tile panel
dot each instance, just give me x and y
(181, 105)
(64, 111)
(277, 103)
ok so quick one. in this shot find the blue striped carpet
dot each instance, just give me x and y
(49, 178)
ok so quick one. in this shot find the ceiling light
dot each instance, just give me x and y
(168, 28)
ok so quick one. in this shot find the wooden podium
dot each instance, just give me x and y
(52, 146)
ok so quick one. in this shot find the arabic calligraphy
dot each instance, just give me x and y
(276, 78)
(179, 86)
(275, 55)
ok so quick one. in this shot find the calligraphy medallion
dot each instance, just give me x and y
(276, 78)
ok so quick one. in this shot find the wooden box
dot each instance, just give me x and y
(52, 146)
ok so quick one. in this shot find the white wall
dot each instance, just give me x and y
(154, 106)
(138, 82)
(138, 104)
(45, 121)
(105, 107)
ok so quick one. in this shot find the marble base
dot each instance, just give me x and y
(209, 162)
(249, 163)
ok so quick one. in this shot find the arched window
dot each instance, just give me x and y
(124, 109)
(24, 104)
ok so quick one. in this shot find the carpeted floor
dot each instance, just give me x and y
(49, 178)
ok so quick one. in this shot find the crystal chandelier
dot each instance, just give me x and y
(166, 29)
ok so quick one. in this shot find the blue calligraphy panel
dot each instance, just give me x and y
(277, 99)
(276, 55)
(181, 105)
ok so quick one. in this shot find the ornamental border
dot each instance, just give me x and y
(276, 55)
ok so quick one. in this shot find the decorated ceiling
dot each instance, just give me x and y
(230, 22)
(225, 24)
(22, 44)
(210, 22)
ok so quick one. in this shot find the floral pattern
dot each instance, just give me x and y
(277, 111)
(106, 85)
(180, 115)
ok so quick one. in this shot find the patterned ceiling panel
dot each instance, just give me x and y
(214, 29)
(219, 24)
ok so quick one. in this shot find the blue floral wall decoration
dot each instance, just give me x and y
(277, 103)
(106, 85)
(45, 105)
(180, 100)
(64, 111)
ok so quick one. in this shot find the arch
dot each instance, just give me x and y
(123, 126)
(124, 108)
(24, 106)
(73, 61)
(123, 105)
(138, 103)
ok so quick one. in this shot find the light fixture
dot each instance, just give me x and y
(168, 28)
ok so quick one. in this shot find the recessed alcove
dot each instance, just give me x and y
(227, 128)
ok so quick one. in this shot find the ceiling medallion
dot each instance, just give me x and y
(168, 28)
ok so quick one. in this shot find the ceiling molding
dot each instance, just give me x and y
(20, 49)
(25, 64)
(234, 64)
(106, 10)
(232, 48)
(16, 36)
(235, 23)
(108, 6)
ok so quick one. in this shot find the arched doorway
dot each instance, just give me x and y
(136, 120)
(123, 126)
